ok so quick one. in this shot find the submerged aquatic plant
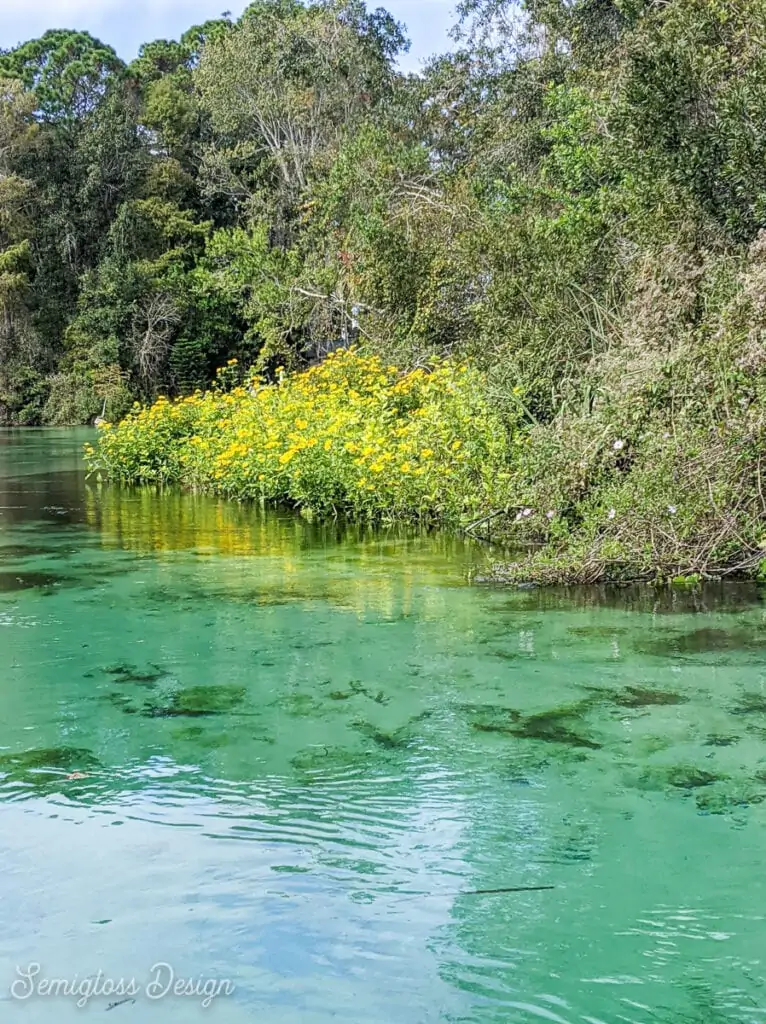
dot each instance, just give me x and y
(749, 703)
(197, 702)
(124, 673)
(644, 697)
(44, 769)
(555, 726)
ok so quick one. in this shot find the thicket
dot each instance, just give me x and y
(349, 437)
(573, 200)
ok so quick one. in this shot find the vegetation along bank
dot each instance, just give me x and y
(554, 233)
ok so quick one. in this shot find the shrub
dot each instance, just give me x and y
(350, 435)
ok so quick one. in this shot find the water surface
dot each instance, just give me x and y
(291, 756)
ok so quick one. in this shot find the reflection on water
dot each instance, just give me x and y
(296, 756)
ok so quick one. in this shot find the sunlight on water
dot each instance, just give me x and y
(297, 756)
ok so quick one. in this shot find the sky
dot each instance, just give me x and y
(125, 24)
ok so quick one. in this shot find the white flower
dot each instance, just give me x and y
(550, 515)
(527, 512)
(618, 446)
(666, 435)
(672, 509)
(611, 514)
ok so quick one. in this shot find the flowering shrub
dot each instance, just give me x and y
(350, 435)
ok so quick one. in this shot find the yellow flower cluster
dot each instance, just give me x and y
(349, 435)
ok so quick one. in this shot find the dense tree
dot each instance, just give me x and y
(68, 73)
(579, 178)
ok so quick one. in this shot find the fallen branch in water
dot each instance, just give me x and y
(484, 892)
(514, 888)
(485, 519)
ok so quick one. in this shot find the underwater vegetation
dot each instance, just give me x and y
(729, 796)
(728, 598)
(329, 760)
(15, 581)
(44, 769)
(676, 776)
(301, 705)
(124, 673)
(28, 551)
(635, 697)
(187, 702)
(702, 641)
(196, 702)
(358, 689)
(598, 632)
(576, 844)
(554, 726)
(396, 740)
(716, 740)
(749, 703)
(491, 717)
(643, 697)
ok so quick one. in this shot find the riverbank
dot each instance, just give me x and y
(355, 437)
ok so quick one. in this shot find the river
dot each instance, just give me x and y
(288, 760)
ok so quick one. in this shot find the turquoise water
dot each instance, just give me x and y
(289, 758)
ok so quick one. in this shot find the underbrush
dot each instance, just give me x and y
(660, 507)
(641, 487)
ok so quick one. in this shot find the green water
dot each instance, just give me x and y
(304, 749)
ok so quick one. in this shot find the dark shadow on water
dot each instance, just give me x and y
(703, 641)
(14, 581)
(47, 500)
(722, 598)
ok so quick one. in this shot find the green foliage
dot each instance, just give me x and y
(351, 435)
(68, 73)
(574, 201)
